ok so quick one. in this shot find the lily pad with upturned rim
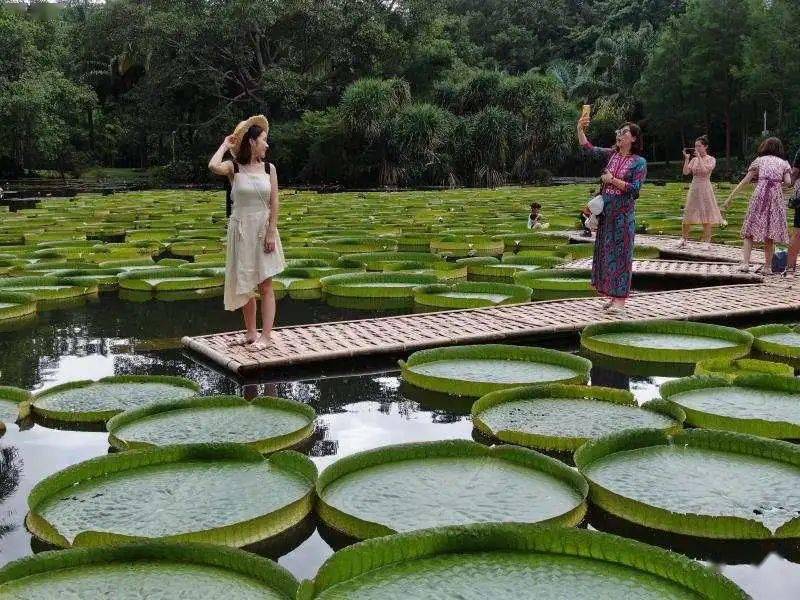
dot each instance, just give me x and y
(374, 285)
(494, 560)
(148, 570)
(563, 417)
(419, 485)
(713, 484)
(730, 369)
(777, 339)
(480, 369)
(16, 305)
(470, 295)
(97, 401)
(222, 493)
(666, 341)
(265, 424)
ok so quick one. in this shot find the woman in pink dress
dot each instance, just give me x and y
(701, 203)
(766, 215)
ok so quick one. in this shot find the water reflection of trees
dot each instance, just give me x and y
(10, 473)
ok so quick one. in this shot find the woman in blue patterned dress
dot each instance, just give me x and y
(622, 179)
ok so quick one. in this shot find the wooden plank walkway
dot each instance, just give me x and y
(682, 269)
(402, 334)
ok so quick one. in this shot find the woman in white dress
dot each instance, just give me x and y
(254, 253)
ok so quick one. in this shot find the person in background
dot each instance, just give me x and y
(701, 203)
(765, 220)
(624, 174)
(794, 247)
(535, 218)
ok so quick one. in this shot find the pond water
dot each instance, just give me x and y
(360, 405)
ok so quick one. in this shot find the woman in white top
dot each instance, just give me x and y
(254, 251)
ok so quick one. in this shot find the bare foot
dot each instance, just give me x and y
(261, 343)
(247, 338)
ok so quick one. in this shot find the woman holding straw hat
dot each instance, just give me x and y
(254, 253)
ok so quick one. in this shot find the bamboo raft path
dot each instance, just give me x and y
(319, 342)
(681, 269)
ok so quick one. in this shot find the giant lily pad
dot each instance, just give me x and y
(46, 288)
(480, 369)
(265, 424)
(414, 486)
(765, 405)
(16, 305)
(147, 570)
(14, 404)
(374, 285)
(170, 279)
(562, 417)
(553, 283)
(505, 560)
(470, 295)
(729, 369)
(780, 340)
(666, 341)
(711, 484)
(98, 401)
(222, 493)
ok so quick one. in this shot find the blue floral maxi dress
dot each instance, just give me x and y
(613, 247)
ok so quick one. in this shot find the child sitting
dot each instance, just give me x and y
(535, 218)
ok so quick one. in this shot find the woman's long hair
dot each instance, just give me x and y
(244, 155)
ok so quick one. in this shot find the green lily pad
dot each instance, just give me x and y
(16, 305)
(711, 484)
(159, 279)
(666, 341)
(563, 417)
(729, 369)
(147, 570)
(265, 424)
(98, 401)
(470, 295)
(413, 486)
(765, 405)
(223, 493)
(374, 285)
(513, 561)
(778, 339)
(480, 369)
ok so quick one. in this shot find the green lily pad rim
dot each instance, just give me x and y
(431, 295)
(566, 392)
(581, 366)
(371, 555)
(555, 279)
(23, 305)
(101, 416)
(362, 529)
(709, 420)
(264, 446)
(708, 526)
(775, 348)
(236, 534)
(716, 367)
(233, 560)
(742, 340)
(343, 284)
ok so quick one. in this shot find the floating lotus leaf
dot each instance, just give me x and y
(566, 280)
(480, 369)
(346, 245)
(380, 261)
(16, 305)
(374, 285)
(666, 341)
(223, 493)
(169, 279)
(764, 404)
(14, 404)
(470, 295)
(510, 560)
(456, 246)
(148, 570)
(46, 288)
(265, 424)
(104, 279)
(98, 401)
(427, 484)
(777, 339)
(563, 417)
(742, 366)
(703, 483)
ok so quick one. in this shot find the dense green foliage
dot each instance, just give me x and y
(407, 92)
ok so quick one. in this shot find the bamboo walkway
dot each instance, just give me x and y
(681, 269)
(402, 334)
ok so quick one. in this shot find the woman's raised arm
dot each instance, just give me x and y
(219, 166)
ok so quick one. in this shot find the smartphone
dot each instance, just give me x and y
(689, 151)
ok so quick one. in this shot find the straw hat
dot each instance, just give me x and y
(242, 128)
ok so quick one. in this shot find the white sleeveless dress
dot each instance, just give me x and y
(246, 263)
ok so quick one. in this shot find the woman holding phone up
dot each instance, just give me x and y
(701, 204)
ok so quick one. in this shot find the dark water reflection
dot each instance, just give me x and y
(356, 412)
